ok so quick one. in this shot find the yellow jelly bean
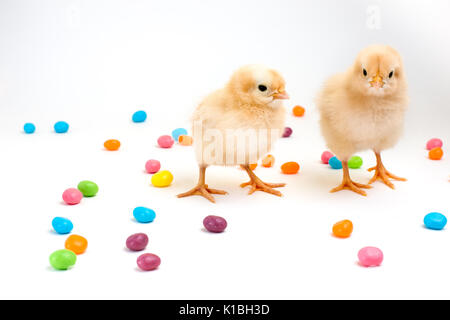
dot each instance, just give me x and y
(162, 179)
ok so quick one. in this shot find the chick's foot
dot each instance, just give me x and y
(202, 190)
(258, 185)
(349, 184)
(382, 174)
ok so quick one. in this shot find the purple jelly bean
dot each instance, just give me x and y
(287, 132)
(215, 224)
(137, 242)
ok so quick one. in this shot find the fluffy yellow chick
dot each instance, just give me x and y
(363, 108)
(238, 124)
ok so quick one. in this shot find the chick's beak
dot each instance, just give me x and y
(377, 81)
(280, 95)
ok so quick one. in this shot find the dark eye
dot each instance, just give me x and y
(365, 72)
(391, 74)
(262, 87)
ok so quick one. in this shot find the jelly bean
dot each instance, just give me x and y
(62, 259)
(165, 141)
(76, 243)
(152, 166)
(148, 261)
(298, 111)
(185, 140)
(355, 162)
(62, 225)
(290, 167)
(370, 257)
(435, 221)
(436, 154)
(268, 161)
(343, 229)
(72, 196)
(137, 242)
(215, 224)
(61, 127)
(335, 163)
(434, 143)
(253, 166)
(162, 179)
(88, 188)
(29, 128)
(144, 215)
(326, 156)
(287, 132)
(178, 132)
(139, 116)
(112, 145)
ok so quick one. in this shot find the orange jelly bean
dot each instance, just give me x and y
(436, 154)
(298, 111)
(268, 161)
(253, 166)
(290, 167)
(343, 229)
(76, 243)
(112, 144)
(185, 140)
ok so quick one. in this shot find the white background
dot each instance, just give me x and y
(93, 63)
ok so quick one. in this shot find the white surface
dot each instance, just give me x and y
(93, 63)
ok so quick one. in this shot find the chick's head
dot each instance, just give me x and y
(378, 71)
(258, 85)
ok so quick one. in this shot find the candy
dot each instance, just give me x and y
(112, 145)
(290, 167)
(62, 259)
(185, 140)
(72, 196)
(162, 179)
(61, 127)
(436, 154)
(137, 242)
(152, 166)
(215, 224)
(178, 132)
(29, 128)
(148, 261)
(76, 243)
(144, 215)
(335, 163)
(287, 132)
(355, 162)
(268, 161)
(435, 221)
(253, 166)
(370, 257)
(62, 225)
(139, 116)
(434, 143)
(88, 188)
(343, 229)
(165, 141)
(326, 156)
(298, 111)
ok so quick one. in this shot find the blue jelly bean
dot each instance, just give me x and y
(435, 221)
(178, 132)
(62, 225)
(61, 127)
(144, 215)
(335, 163)
(139, 116)
(29, 128)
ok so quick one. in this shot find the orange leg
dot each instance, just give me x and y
(202, 189)
(382, 174)
(258, 185)
(348, 184)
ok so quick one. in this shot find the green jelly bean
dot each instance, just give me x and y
(88, 188)
(355, 162)
(62, 259)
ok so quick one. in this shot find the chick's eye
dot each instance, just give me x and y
(391, 74)
(365, 72)
(262, 87)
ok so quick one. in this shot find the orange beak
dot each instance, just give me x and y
(280, 95)
(377, 81)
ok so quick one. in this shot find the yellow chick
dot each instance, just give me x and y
(238, 124)
(363, 108)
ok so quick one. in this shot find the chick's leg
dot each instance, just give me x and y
(202, 189)
(348, 184)
(382, 174)
(258, 185)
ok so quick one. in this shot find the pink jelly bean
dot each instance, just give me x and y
(165, 141)
(434, 143)
(152, 166)
(287, 132)
(137, 242)
(72, 196)
(326, 156)
(370, 257)
(148, 261)
(215, 224)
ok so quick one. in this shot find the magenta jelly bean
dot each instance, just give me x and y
(137, 242)
(434, 143)
(326, 156)
(152, 166)
(370, 257)
(215, 224)
(287, 132)
(165, 141)
(72, 196)
(148, 261)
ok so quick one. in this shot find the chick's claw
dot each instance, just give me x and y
(352, 186)
(382, 174)
(258, 185)
(202, 190)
